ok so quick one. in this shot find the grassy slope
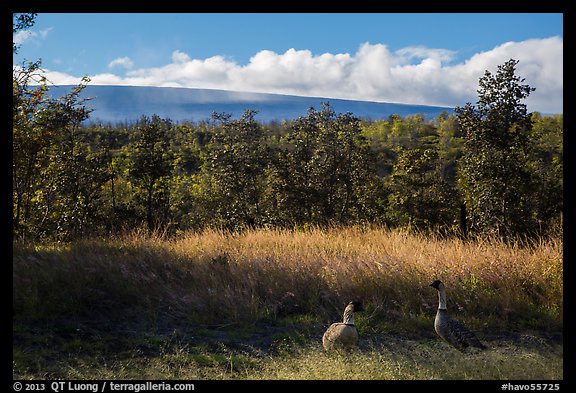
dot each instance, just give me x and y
(210, 305)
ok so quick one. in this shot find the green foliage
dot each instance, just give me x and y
(56, 176)
(320, 169)
(73, 179)
(30, 141)
(420, 196)
(547, 168)
(495, 175)
(236, 161)
(324, 173)
(150, 169)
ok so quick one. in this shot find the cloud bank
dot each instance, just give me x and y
(413, 75)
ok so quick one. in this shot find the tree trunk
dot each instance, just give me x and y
(463, 223)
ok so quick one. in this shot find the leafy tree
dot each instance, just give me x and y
(324, 173)
(56, 178)
(188, 155)
(420, 196)
(75, 173)
(494, 174)
(151, 169)
(296, 182)
(547, 163)
(449, 144)
(30, 140)
(54, 181)
(377, 133)
(236, 161)
(116, 207)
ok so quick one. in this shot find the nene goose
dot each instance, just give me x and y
(452, 331)
(343, 335)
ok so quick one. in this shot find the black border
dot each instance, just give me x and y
(446, 6)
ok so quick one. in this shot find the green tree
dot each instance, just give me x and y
(325, 171)
(151, 169)
(547, 160)
(419, 194)
(236, 161)
(30, 140)
(296, 181)
(494, 174)
(449, 144)
(188, 156)
(54, 185)
(106, 144)
(56, 178)
(75, 173)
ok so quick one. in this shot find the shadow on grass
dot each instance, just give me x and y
(279, 350)
(144, 311)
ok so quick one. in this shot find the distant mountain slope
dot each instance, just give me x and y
(129, 103)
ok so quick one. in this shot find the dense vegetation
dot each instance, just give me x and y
(490, 169)
(72, 178)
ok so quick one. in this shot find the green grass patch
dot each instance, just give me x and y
(291, 355)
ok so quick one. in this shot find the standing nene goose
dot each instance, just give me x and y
(343, 335)
(450, 330)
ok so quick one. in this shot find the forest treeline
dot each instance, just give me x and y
(74, 179)
(488, 169)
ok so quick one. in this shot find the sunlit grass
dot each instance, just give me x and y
(221, 277)
(416, 360)
(234, 280)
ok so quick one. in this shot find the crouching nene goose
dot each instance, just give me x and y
(450, 330)
(343, 335)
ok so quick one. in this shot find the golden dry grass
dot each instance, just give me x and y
(389, 269)
(196, 281)
(225, 277)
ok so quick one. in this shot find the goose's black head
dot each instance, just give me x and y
(436, 284)
(357, 304)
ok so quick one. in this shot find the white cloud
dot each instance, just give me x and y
(422, 52)
(25, 35)
(44, 33)
(125, 62)
(180, 57)
(414, 75)
(22, 36)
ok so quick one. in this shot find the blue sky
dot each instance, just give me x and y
(428, 58)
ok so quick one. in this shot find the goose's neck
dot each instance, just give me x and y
(348, 317)
(441, 298)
